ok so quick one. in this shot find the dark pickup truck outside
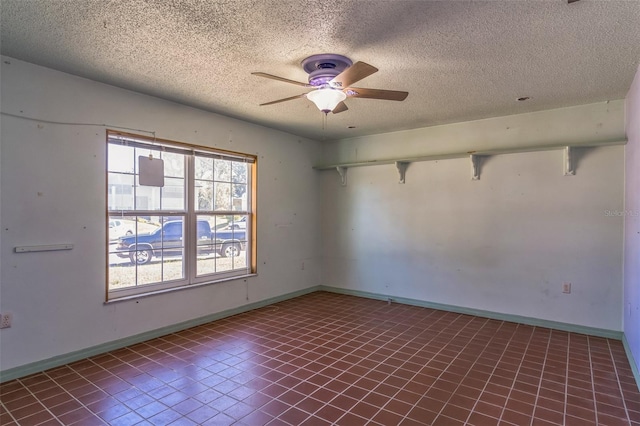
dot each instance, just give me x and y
(167, 239)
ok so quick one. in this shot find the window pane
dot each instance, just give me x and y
(121, 276)
(222, 169)
(120, 226)
(206, 245)
(120, 187)
(147, 197)
(120, 158)
(206, 264)
(238, 222)
(172, 194)
(151, 253)
(239, 201)
(204, 195)
(172, 265)
(150, 273)
(239, 172)
(204, 168)
(226, 250)
(222, 196)
(173, 165)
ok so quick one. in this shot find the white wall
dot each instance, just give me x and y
(53, 191)
(632, 222)
(505, 243)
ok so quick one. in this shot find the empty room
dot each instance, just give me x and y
(260, 212)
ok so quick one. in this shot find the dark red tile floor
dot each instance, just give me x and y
(325, 358)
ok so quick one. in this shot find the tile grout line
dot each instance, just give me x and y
(593, 382)
(40, 401)
(566, 378)
(497, 362)
(615, 369)
(504, 408)
(544, 363)
(9, 412)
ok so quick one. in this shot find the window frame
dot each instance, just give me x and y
(189, 215)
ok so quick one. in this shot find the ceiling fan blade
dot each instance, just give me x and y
(341, 107)
(354, 73)
(389, 95)
(286, 80)
(284, 100)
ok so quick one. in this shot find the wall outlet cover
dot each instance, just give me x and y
(5, 320)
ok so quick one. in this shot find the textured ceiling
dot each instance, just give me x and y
(459, 60)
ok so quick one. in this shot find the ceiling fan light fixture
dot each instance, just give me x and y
(326, 99)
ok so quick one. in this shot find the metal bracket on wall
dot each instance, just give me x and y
(343, 174)
(475, 167)
(402, 169)
(569, 163)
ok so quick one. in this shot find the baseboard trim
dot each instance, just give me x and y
(574, 328)
(632, 361)
(57, 361)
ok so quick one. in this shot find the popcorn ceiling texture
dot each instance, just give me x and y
(458, 60)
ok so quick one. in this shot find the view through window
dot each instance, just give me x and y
(194, 227)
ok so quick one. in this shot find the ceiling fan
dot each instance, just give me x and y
(331, 77)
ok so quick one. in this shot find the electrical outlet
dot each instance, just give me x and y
(566, 288)
(5, 320)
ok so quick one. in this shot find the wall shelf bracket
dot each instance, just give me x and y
(569, 161)
(342, 171)
(402, 169)
(475, 167)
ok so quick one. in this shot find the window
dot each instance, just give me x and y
(190, 222)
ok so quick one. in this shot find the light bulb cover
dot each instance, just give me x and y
(326, 99)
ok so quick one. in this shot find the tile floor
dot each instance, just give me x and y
(325, 359)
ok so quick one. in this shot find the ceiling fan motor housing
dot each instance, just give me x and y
(324, 67)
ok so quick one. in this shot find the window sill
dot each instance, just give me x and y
(170, 290)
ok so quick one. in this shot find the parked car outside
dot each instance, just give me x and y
(119, 228)
(239, 224)
(167, 240)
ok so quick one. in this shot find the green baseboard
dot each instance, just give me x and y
(39, 366)
(574, 328)
(57, 361)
